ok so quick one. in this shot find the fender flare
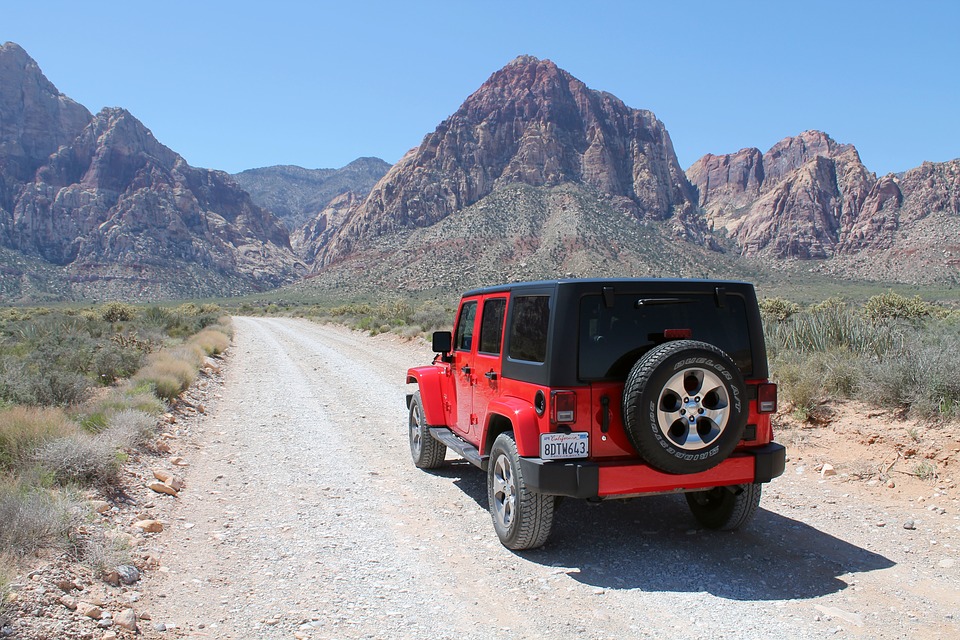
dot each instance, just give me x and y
(523, 420)
(428, 380)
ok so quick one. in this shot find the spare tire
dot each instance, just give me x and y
(685, 406)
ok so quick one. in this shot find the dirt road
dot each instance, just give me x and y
(304, 517)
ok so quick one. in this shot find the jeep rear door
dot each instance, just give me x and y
(464, 354)
(486, 382)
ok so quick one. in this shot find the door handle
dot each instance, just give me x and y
(491, 375)
(465, 369)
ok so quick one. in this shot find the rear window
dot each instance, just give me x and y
(613, 338)
(528, 333)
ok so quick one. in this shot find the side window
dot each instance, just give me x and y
(464, 338)
(491, 325)
(528, 333)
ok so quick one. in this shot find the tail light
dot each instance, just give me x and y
(563, 407)
(767, 398)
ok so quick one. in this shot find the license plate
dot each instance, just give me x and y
(557, 446)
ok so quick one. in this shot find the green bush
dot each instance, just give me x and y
(118, 312)
(893, 306)
(79, 459)
(778, 309)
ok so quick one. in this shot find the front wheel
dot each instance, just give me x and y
(522, 518)
(427, 451)
(725, 508)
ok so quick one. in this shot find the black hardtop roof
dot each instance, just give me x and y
(585, 283)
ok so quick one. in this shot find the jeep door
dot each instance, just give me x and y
(487, 360)
(464, 355)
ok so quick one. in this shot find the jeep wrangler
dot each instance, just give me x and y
(601, 389)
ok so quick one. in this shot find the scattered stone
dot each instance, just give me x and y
(910, 525)
(112, 578)
(127, 619)
(159, 626)
(66, 585)
(109, 635)
(946, 563)
(175, 483)
(891, 484)
(105, 623)
(69, 602)
(161, 475)
(178, 461)
(128, 573)
(160, 487)
(100, 506)
(149, 526)
(89, 610)
(162, 446)
(834, 612)
(827, 470)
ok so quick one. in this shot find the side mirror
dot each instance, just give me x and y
(442, 341)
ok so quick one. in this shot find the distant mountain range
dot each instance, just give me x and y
(535, 175)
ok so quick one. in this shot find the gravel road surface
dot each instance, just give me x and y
(304, 517)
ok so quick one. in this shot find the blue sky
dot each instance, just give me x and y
(235, 85)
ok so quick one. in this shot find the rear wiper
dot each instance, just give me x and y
(649, 302)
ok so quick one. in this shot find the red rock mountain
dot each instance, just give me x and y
(810, 197)
(120, 213)
(533, 124)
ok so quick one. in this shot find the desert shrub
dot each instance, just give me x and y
(832, 304)
(130, 429)
(778, 309)
(801, 387)
(893, 306)
(102, 552)
(79, 459)
(430, 316)
(23, 429)
(923, 378)
(115, 361)
(118, 312)
(32, 518)
(53, 387)
(156, 317)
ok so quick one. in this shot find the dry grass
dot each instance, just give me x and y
(169, 373)
(32, 518)
(22, 429)
(212, 341)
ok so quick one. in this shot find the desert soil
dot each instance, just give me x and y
(303, 517)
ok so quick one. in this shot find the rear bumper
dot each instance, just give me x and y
(582, 479)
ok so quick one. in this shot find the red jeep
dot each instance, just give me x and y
(601, 389)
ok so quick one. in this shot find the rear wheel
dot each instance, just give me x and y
(427, 451)
(522, 518)
(725, 508)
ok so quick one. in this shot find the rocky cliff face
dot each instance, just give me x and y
(809, 197)
(804, 198)
(531, 123)
(104, 200)
(297, 195)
